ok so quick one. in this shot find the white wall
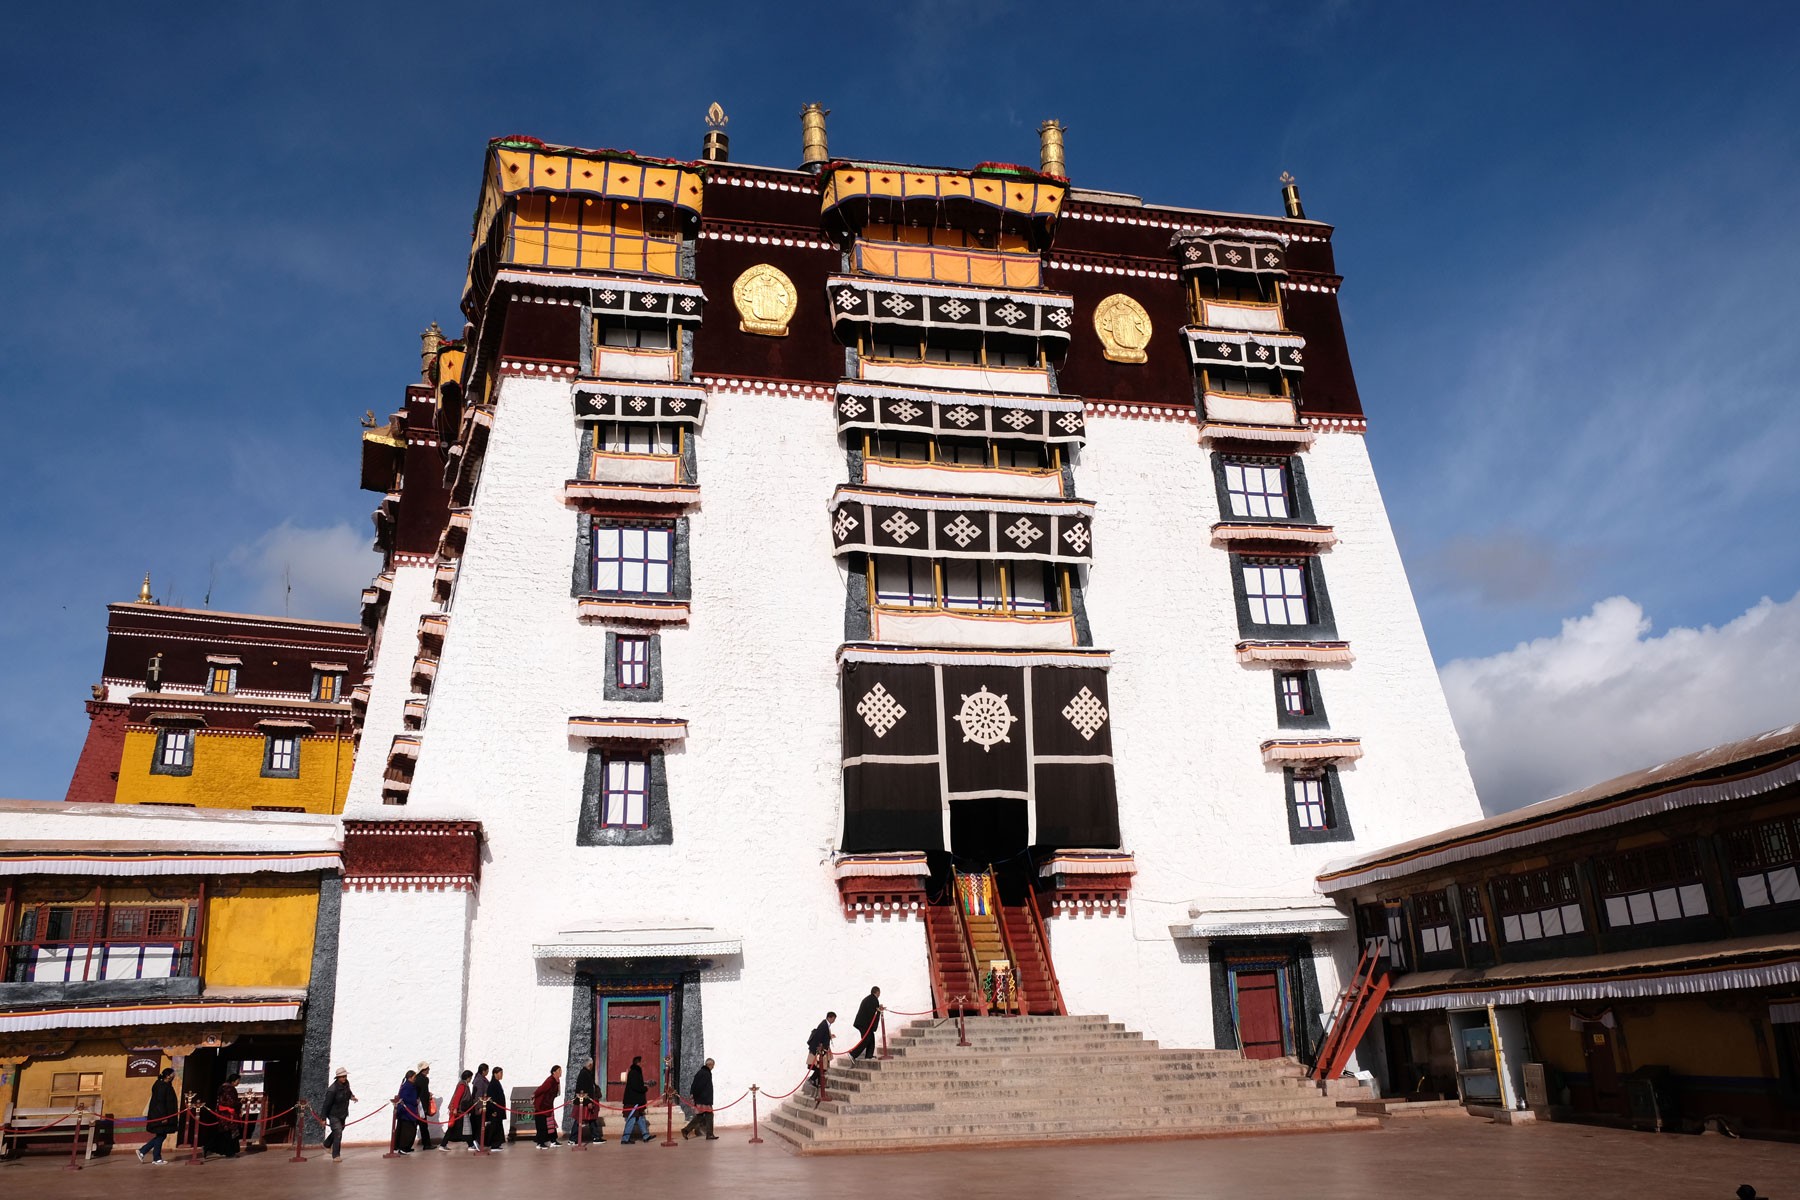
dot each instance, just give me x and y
(390, 684)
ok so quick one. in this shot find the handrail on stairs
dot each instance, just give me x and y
(939, 1002)
(962, 926)
(1012, 953)
(1043, 946)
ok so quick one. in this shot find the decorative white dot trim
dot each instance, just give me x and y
(544, 368)
(750, 387)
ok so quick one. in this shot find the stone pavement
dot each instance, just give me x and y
(1439, 1157)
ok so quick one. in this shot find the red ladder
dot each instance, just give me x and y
(1356, 1008)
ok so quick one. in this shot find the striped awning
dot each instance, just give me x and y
(51, 863)
(118, 1016)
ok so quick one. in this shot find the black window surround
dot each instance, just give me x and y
(1322, 627)
(1300, 505)
(269, 769)
(653, 689)
(592, 831)
(681, 569)
(1337, 816)
(1314, 716)
(186, 766)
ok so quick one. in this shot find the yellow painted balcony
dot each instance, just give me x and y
(565, 231)
(950, 264)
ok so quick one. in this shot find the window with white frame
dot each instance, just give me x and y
(973, 583)
(633, 662)
(1431, 917)
(1650, 884)
(635, 437)
(1765, 861)
(634, 559)
(1275, 590)
(281, 755)
(1539, 904)
(902, 582)
(968, 584)
(1257, 489)
(1293, 694)
(625, 798)
(1312, 806)
(174, 750)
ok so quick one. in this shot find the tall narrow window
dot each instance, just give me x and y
(633, 559)
(626, 799)
(634, 662)
(1276, 592)
(221, 680)
(904, 582)
(174, 754)
(1293, 694)
(1474, 914)
(1310, 805)
(1257, 490)
(327, 685)
(283, 752)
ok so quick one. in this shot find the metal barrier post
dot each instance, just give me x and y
(754, 1139)
(962, 1033)
(194, 1159)
(300, 1131)
(75, 1140)
(883, 1019)
(394, 1131)
(480, 1111)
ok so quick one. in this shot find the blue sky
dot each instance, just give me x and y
(1566, 232)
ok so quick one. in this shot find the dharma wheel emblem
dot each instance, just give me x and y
(985, 719)
(765, 300)
(1124, 328)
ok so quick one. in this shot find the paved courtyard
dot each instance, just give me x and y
(1420, 1157)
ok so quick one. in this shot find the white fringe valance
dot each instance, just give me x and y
(898, 865)
(958, 658)
(1310, 535)
(950, 396)
(873, 283)
(1089, 862)
(1259, 433)
(1311, 750)
(642, 493)
(1621, 989)
(149, 1014)
(590, 283)
(1281, 652)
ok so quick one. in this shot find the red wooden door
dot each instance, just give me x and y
(1603, 1069)
(632, 1029)
(1259, 1015)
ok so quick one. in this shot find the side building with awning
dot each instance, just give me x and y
(1627, 952)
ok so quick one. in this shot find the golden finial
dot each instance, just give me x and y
(144, 591)
(1290, 197)
(368, 421)
(1050, 148)
(1286, 178)
(715, 116)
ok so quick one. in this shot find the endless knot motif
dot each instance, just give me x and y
(1018, 418)
(678, 406)
(1059, 317)
(986, 719)
(607, 297)
(687, 304)
(1069, 422)
(647, 300)
(1193, 253)
(953, 308)
(906, 410)
(1233, 256)
(1271, 259)
(1227, 350)
(901, 527)
(897, 304)
(846, 521)
(851, 407)
(962, 417)
(1012, 314)
(963, 530)
(1293, 356)
(846, 300)
(1024, 533)
(1262, 352)
(1077, 536)
(879, 710)
(1086, 714)
(637, 403)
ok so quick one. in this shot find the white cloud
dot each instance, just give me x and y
(326, 569)
(1604, 697)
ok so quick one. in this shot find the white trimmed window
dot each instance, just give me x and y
(1256, 490)
(283, 750)
(634, 559)
(1539, 904)
(1276, 593)
(1765, 861)
(902, 582)
(1310, 803)
(177, 748)
(1293, 695)
(625, 802)
(1650, 884)
(1474, 914)
(634, 662)
(1762, 888)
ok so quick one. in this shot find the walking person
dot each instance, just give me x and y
(427, 1103)
(543, 1108)
(223, 1140)
(406, 1114)
(496, 1112)
(587, 1104)
(338, 1098)
(818, 1050)
(700, 1094)
(456, 1119)
(867, 1017)
(160, 1116)
(478, 1089)
(636, 1100)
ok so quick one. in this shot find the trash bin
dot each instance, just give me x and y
(1650, 1099)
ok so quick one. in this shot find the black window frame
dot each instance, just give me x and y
(157, 766)
(659, 829)
(1337, 815)
(269, 770)
(653, 686)
(680, 566)
(1299, 495)
(1323, 623)
(1314, 717)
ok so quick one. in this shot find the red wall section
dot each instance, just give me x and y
(96, 778)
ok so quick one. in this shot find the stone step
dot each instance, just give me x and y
(835, 1116)
(1020, 1090)
(990, 1066)
(1406, 1108)
(977, 1133)
(1034, 1037)
(937, 1083)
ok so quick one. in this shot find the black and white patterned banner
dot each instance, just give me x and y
(961, 527)
(972, 414)
(1231, 253)
(629, 298)
(877, 302)
(640, 402)
(1253, 351)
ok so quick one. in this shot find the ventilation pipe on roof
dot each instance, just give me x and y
(1050, 148)
(812, 136)
(1290, 197)
(716, 147)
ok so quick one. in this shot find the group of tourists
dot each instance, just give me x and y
(219, 1131)
(866, 1022)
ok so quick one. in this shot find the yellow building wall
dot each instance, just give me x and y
(1690, 1037)
(262, 937)
(228, 774)
(119, 1096)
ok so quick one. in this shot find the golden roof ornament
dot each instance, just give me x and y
(1290, 197)
(1050, 148)
(715, 146)
(144, 591)
(765, 299)
(430, 342)
(813, 149)
(715, 116)
(1124, 328)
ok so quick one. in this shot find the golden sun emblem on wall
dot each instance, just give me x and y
(765, 300)
(1124, 328)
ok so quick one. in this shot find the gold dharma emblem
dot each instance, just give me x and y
(765, 300)
(1124, 328)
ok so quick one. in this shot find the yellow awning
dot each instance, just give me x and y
(1027, 197)
(547, 171)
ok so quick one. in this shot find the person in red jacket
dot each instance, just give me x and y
(543, 1108)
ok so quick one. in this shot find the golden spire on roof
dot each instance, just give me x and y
(144, 591)
(1050, 147)
(715, 116)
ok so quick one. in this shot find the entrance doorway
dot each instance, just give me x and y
(629, 1028)
(1261, 1012)
(1603, 1068)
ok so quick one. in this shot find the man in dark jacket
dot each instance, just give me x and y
(818, 1050)
(496, 1111)
(866, 1018)
(700, 1095)
(543, 1108)
(637, 1096)
(422, 1085)
(161, 1116)
(587, 1108)
(336, 1111)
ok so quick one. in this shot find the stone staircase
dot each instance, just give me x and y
(1025, 1080)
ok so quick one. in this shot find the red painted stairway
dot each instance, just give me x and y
(966, 940)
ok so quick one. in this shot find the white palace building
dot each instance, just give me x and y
(797, 580)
